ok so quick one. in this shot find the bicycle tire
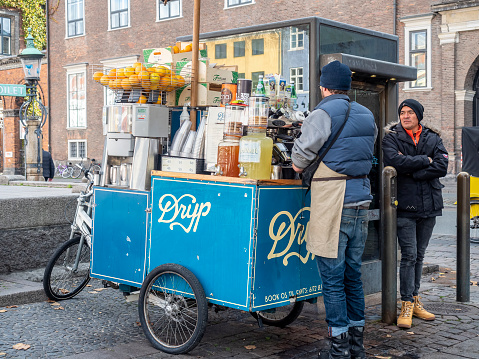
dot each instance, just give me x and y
(59, 281)
(474, 230)
(67, 172)
(282, 317)
(76, 171)
(173, 309)
(95, 168)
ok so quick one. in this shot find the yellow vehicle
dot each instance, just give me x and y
(474, 209)
(470, 164)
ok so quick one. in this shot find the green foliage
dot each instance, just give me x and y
(33, 17)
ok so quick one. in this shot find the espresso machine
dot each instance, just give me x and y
(135, 134)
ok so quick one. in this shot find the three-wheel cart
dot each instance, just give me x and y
(195, 240)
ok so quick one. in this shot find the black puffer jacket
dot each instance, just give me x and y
(418, 187)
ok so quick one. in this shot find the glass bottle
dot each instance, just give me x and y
(256, 149)
(293, 97)
(228, 148)
(260, 91)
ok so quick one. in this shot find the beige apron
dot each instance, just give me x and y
(327, 199)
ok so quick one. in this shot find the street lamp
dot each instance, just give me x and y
(33, 113)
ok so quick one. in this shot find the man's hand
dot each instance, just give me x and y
(297, 169)
(430, 159)
(399, 152)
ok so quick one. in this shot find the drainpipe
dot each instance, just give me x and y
(47, 10)
(395, 9)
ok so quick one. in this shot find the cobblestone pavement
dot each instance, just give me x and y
(101, 324)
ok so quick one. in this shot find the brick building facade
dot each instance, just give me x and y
(11, 72)
(439, 37)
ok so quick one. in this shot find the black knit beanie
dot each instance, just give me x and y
(335, 76)
(414, 105)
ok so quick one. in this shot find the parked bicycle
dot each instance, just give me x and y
(64, 171)
(80, 168)
(68, 270)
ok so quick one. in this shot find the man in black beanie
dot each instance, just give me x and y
(420, 159)
(340, 198)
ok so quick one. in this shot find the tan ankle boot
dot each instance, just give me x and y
(420, 312)
(405, 318)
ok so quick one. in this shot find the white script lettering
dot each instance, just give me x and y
(182, 206)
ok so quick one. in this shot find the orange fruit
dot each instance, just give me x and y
(169, 88)
(97, 76)
(155, 78)
(112, 74)
(154, 87)
(112, 84)
(188, 48)
(125, 84)
(140, 68)
(144, 75)
(176, 49)
(151, 70)
(128, 71)
(104, 80)
(162, 70)
(120, 73)
(180, 81)
(134, 80)
(136, 64)
(118, 84)
(165, 81)
(146, 84)
(142, 99)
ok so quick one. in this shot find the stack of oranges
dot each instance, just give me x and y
(138, 77)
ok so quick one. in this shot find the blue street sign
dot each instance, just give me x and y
(13, 90)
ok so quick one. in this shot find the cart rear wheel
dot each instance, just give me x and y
(173, 309)
(282, 316)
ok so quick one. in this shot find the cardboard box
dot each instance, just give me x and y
(164, 55)
(208, 95)
(206, 73)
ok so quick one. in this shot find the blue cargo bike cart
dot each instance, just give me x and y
(194, 241)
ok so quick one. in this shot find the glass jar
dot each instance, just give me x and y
(228, 148)
(227, 159)
(256, 149)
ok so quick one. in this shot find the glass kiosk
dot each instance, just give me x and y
(298, 49)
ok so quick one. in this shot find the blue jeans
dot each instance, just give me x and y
(342, 287)
(413, 237)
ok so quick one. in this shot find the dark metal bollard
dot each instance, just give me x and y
(463, 260)
(389, 245)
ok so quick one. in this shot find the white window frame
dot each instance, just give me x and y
(419, 23)
(71, 70)
(66, 21)
(294, 78)
(109, 18)
(239, 5)
(116, 63)
(10, 53)
(160, 3)
(78, 158)
(295, 33)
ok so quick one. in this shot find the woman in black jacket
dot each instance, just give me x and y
(420, 158)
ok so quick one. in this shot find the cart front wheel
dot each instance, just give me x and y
(173, 309)
(281, 316)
